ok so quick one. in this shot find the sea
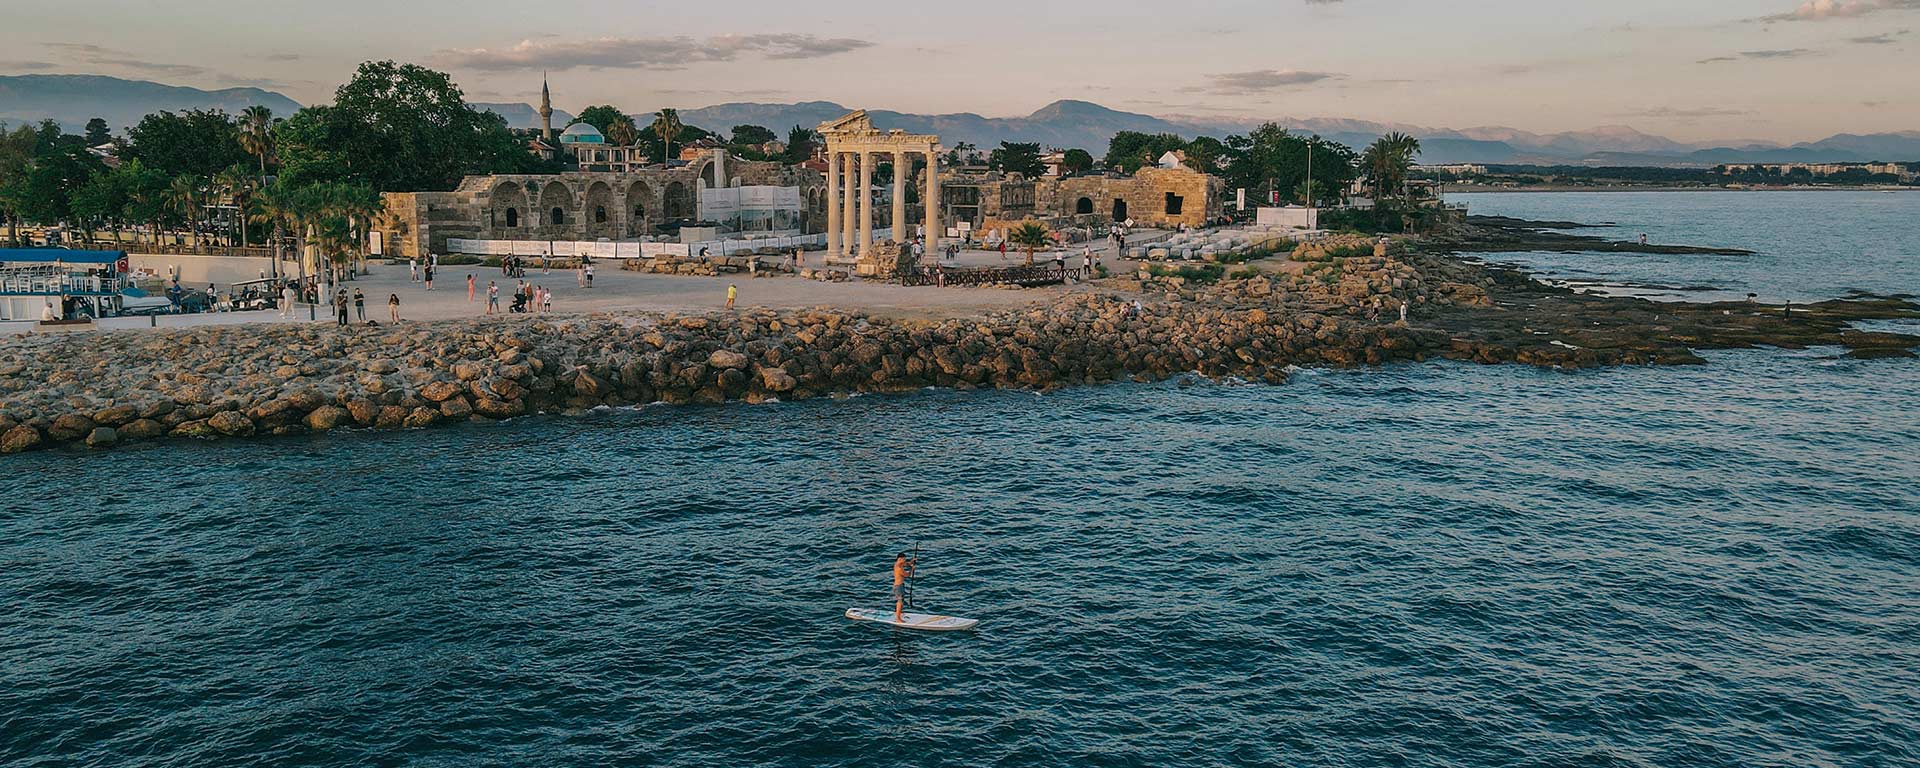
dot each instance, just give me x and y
(1432, 564)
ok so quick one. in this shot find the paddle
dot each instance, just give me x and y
(913, 569)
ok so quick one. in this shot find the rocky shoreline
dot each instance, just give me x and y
(102, 390)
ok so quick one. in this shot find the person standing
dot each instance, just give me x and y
(493, 297)
(589, 274)
(359, 305)
(902, 570)
(580, 275)
(1086, 263)
(547, 300)
(413, 270)
(286, 300)
(393, 307)
(340, 305)
(469, 289)
(732, 293)
(429, 277)
(1403, 312)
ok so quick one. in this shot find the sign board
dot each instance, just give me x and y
(1273, 197)
(374, 241)
(1240, 198)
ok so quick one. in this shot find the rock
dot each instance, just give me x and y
(20, 438)
(102, 437)
(364, 412)
(142, 429)
(391, 417)
(727, 359)
(306, 400)
(195, 428)
(777, 380)
(456, 409)
(422, 417)
(496, 409)
(116, 415)
(231, 424)
(439, 391)
(328, 417)
(584, 384)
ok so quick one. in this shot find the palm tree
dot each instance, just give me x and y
(667, 125)
(256, 137)
(1031, 235)
(1388, 159)
(238, 186)
(185, 196)
(274, 207)
(622, 132)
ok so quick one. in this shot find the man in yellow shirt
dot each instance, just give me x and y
(732, 293)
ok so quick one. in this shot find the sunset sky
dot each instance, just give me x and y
(1778, 70)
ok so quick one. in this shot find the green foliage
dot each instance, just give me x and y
(1192, 273)
(1129, 151)
(1077, 161)
(601, 116)
(1020, 158)
(194, 142)
(1270, 158)
(751, 135)
(398, 127)
(1031, 235)
(1205, 153)
(97, 132)
(1387, 162)
(800, 144)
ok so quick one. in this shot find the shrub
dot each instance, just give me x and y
(1192, 273)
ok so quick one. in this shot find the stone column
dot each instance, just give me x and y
(849, 215)
(901, 180)
(833, 203)
(866, 202)
(931, 200)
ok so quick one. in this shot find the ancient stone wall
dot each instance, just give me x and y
(1153, 197)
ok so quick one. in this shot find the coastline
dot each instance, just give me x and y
(1470, 189)
(102, 390)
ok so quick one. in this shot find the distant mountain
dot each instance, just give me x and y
(523, 116)
(72, 100)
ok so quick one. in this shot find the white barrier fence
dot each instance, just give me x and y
(606, 249)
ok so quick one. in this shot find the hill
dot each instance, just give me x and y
(72, 100)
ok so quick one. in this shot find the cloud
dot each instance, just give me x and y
(1824, 10)
(1264, 80)
(93, 54)
(645, 53)
(282, 57)
(1776, 53)
(1884, 38)
(25, 66)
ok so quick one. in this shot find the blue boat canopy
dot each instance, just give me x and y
(61, 255)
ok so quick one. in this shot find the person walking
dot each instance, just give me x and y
(359, 305)
(580, 275)
(732, 293)
(286, 300)
(469, 289)
(493, 297)
(340, 305)
(1086, 263)
(393, 307)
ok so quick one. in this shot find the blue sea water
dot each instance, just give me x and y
(1809, 245)
(1422, 565)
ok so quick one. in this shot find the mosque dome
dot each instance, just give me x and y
(582, 133)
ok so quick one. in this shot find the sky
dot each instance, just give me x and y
(1693, 70)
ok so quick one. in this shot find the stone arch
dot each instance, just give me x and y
(1119, 209)
(1083, 207)
(510, 206)
(641, 209)
(556, 208)
(677, 202)
(602, 213)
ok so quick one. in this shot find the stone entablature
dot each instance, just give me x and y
(854, 150)
(577, 206)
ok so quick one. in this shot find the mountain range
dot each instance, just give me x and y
(73, 99)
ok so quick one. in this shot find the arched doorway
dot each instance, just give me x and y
(557, 205)
(601, 212)
(678, 203)
(513, 218)
(510, 200)
(1119, 209)
(640, 201)
(1084, 207)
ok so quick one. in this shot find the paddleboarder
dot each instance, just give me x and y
(902, 570)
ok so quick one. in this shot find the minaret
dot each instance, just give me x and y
(546, 112)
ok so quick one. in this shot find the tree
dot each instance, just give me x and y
(751, 136)
(622, 132)
(97, 132)
(1020, 158)
(1388, 160)
(667, 126)
(146, 190)
(237, 184)
(275, 207)
(1131, 150)
(185, 196)
(397, 127)
(194, 142)
(16, 161)
(1205, 153)
(1031, 235)
(1077, 161)
(800, 144)
(602, 117)
(1271, 159)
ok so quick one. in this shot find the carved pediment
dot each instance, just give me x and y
(853, 122)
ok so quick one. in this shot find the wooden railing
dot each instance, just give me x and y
(1025, 276)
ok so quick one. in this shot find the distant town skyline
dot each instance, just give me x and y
(1773, 70)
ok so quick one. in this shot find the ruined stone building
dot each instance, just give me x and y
(1152, 197)
(583, 206)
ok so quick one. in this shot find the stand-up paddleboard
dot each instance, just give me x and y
(920, 621)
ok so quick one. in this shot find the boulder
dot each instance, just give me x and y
(727, 359)
(231, 424)
(70, 427)
(103, 437)
(496, 409)
(456, 409)
(440, 391)
(20, 438)
(391, 417)
(422, 417)
(116, 415)
(328, 417)
(777, 380)
(142, 429)
(194, 428)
